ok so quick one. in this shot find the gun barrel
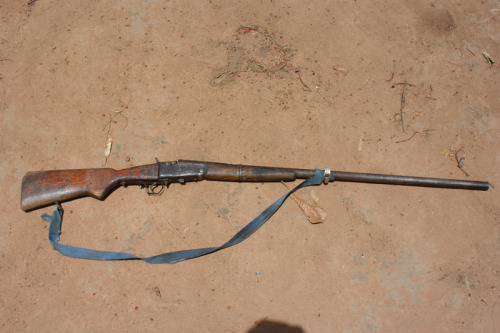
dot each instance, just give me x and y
(410, 181)
(248, 173)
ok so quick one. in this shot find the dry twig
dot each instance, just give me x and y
(467, 48)
(402, 105)
(488, 58)
(297, 70)
(112, 118)
(424, 133)
(393, 70)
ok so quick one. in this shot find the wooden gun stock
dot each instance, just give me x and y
(42, 188)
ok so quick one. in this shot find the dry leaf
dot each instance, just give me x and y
(340, 71)
(107, 151)
(314, 196)
(313, 212)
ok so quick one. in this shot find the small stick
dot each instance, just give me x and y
(424, 133)
(402, 105)
(175, 231)
(298, 72)
(402, 84)
(467, 48)
(393, 70)
(112, 118)
(488, 58)
(411, 137)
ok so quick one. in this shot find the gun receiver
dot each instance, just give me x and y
(43, 188)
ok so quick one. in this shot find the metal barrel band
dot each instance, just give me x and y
(328, 173)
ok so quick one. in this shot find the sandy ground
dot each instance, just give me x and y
(306, 84)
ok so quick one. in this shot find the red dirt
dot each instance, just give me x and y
(300, 84)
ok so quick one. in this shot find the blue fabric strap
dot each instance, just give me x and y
(172, 257)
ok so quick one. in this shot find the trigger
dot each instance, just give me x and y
(155, 189)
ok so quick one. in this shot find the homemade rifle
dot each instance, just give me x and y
(43, 188)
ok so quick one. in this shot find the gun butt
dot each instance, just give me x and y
(43, 188)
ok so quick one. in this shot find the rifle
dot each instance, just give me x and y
(43, 188)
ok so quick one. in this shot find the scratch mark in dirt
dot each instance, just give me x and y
(359, 276)
(223, 212)
(140, 235)
(227, 74)
(368, 322)
(354, 209)
(402, 274)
